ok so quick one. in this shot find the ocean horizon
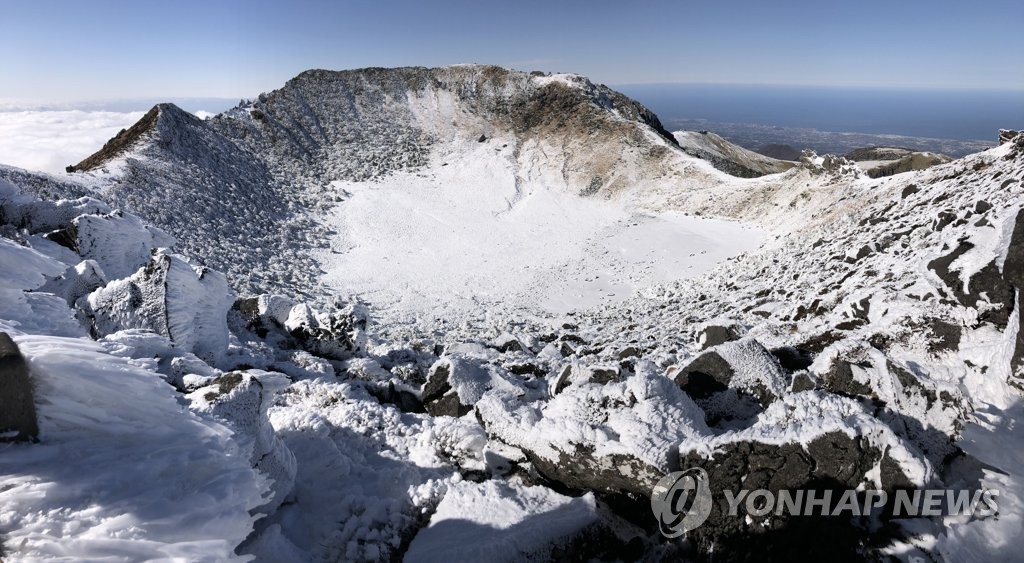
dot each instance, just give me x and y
(940, 114)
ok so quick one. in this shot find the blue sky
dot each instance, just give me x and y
(75, 50)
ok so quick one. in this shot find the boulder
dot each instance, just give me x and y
(733, 381)
(171, 297)
(336, 334)
(455, 383)
(712, 335)
(807, 441)
(572, 374)
(241, 400)
(616, 438)
(507, 343)
(17, 406)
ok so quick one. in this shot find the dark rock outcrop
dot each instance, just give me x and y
(336, 334)
(1013, 274)
(988, 285)
(17, 406)
(833, 463)
(1008, 135)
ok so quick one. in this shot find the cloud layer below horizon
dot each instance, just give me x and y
(48, 141)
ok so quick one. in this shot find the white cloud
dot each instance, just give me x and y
(50, 140)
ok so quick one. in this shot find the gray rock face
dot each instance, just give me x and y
(17, 409)
(603, 437)
(1007, 135)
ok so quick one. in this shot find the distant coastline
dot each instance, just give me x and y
(756, 137)
(836, 120)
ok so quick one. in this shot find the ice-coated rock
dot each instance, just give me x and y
(120, 243)
(169, 296)
(76, 282)
(241, 399)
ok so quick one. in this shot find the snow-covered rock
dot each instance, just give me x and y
(122, 469)
(456, 382)
(807, 441)
(241, 400)
(500, 521)
(119, 243)
(617, 437)
(337, 332)
(169, 296)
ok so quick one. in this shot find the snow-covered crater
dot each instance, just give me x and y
(473, 232)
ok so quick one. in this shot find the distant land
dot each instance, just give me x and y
(837, 120)
(757, 137)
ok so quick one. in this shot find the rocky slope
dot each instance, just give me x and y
(872, 342)
(729, 157)
(886, 161)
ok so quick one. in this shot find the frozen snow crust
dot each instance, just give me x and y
(840, 331)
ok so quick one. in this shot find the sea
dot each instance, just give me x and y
(826, 119)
